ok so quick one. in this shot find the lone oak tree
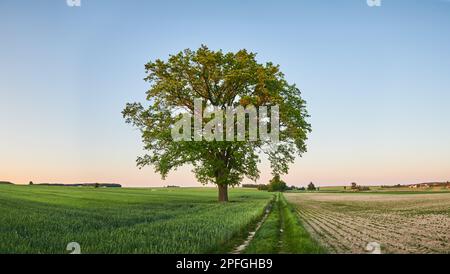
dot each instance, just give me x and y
(221, 80)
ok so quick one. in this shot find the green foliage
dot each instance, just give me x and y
(44, 219)
(311, 186)
(276, 184)
(221, 80)
(263, 187)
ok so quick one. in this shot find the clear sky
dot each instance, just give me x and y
(376, 79)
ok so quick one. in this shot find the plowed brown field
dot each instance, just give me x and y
(400, 223)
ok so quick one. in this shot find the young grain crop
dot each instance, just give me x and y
(38, 219)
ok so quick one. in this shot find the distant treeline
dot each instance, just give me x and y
(259, 187)
(394, 186)
(276, 184)
(85, 184)
(421, 185)
(5, 183)
(251, 185)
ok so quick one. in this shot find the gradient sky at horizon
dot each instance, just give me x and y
(377, 83)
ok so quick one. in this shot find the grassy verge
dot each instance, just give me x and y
(283, 233)
(266, 240)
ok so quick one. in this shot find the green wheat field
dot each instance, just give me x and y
(39, 219)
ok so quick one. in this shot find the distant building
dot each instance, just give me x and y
(356, 187)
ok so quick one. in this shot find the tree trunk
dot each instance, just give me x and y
(223, 193)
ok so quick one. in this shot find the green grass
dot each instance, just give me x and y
(266, 240)
(282, 232)
(44, 219)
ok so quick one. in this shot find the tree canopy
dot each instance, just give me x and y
(276, 184)
(221, 80)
